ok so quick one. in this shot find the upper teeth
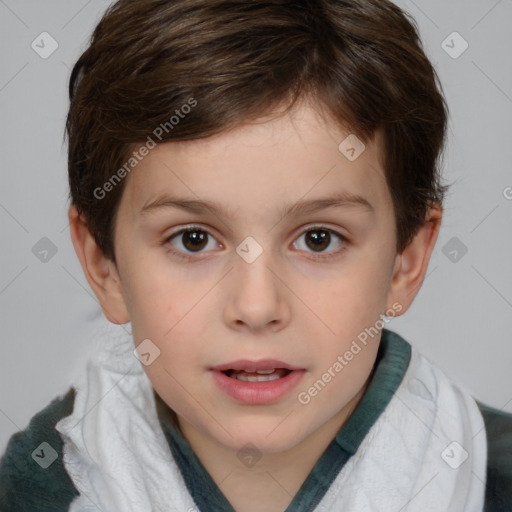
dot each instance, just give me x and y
(255, 377)
(263, 372)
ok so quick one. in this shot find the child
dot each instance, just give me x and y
(255, 193)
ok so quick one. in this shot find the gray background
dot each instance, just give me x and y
(461, 318)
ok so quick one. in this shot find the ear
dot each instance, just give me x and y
(411, 265)
(100, 271)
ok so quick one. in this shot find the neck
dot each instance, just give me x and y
(277, 477)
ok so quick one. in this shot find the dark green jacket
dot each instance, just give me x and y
(26, 485)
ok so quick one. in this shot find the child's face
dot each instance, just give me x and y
(302, 301)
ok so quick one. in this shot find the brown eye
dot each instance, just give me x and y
(194, 240)
(318, 239)
(191, 240)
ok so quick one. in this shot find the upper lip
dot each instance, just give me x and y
(246, 364)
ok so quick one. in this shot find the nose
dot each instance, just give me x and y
(258, 298)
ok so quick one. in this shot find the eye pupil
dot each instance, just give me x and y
(319, 241)
(194, 240)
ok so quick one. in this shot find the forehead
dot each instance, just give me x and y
(267, 163)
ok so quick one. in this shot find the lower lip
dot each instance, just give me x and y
(257, 393)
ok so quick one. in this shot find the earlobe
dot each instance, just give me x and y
(100, 272)
(411, 265)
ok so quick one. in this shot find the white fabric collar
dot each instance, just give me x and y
(118, 458)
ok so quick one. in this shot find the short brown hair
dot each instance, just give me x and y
(361, 60)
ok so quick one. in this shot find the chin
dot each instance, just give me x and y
(265, 438)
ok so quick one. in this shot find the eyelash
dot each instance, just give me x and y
(319, 256)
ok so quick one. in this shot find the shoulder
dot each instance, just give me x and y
(32, 474)
(498, 426)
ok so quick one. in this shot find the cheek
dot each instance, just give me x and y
(350, 309)
(351, 301)
(153, 296)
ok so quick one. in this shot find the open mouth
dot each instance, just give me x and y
(257, 382)
(258, 375)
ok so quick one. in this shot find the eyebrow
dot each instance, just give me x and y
(303, 207)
